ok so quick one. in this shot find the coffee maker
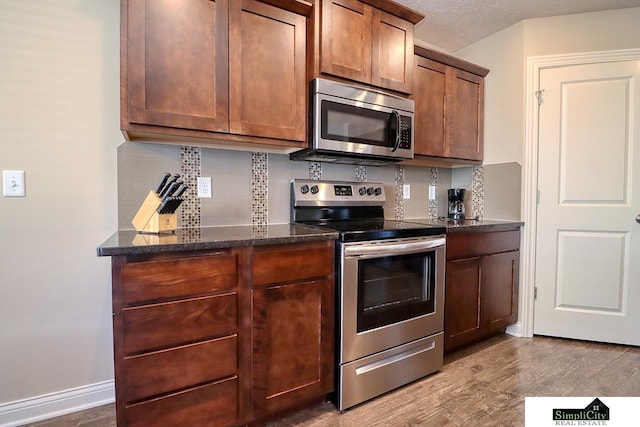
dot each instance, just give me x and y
(456, 204)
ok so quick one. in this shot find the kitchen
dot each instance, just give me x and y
(63, 87)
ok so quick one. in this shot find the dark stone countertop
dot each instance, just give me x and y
(468, 225)
(131, 242)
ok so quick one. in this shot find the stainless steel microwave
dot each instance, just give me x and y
(357, 125)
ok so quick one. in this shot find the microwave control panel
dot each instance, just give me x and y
(405, 132)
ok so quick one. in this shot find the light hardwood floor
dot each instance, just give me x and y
(483, 385)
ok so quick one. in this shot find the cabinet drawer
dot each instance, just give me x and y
(211, 405)
(472, 244)
(178, 368)
(288, 263)
(174, 278)
(174, 323)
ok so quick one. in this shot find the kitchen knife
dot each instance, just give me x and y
(180, 191)
(164, 190)
(163, 181)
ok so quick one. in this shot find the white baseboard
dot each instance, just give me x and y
(515, 330)
(55, 404)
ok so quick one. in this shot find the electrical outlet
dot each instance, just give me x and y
(432, 192)
(406, 191)
(204, 187)
(13, 184)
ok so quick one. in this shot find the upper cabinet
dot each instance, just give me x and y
(369, 42)
(449, 107)
(203, 70)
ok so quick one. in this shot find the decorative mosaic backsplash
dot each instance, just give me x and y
(477, 193)
(432, 208)
(190, 171)
(399, 201)
(361, 173)
(259, 189)
(315, 171)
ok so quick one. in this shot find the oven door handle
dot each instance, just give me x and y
(383, 249)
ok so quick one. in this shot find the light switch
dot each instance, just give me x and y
(13, 183)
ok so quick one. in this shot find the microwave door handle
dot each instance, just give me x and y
(397, 141)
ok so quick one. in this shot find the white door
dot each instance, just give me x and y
(587, 273)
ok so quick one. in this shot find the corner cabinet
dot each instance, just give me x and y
(224, 337)
(481, 282)
(369, 42)
(214, 70)
(449, 107)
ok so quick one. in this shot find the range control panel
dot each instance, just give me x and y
(337, 193)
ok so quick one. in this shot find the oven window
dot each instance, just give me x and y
(395, 288)
(348, 123)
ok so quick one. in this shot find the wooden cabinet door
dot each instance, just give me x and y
(176, 72)
(466, 117)
(391, 52)
(462, 322)
(500, 290)
(346, 39)
(429, 116)
(292, 344)
(267, 75)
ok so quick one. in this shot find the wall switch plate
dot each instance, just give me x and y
(432, 192)
(13, 184)
(406, 191)
(204, 187)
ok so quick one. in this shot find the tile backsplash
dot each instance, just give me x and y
(248, 189)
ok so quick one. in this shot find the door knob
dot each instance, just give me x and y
(638, 219)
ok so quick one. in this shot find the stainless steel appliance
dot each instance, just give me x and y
(356, 125)
(390, 288)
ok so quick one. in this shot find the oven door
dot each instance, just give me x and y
(391, 293)
(359, 128)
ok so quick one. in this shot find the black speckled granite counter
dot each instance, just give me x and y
(130, 242)
(468, 225)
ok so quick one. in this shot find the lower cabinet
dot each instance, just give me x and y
(222, 338)
(481, 282)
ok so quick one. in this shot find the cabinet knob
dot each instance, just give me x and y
(638, 219)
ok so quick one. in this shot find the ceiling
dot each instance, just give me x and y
(454, 24)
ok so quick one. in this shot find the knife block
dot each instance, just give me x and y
(148, 220)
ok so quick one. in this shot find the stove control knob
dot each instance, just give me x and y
(378, 191)
(304, 189)
(362, 191)
(314, 189)
(370, 191)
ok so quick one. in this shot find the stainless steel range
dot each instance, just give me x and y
(390, 288)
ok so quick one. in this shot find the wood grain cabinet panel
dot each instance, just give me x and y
(214, 404)
(365, 44)
(267, 58)
(178, 277)
(292, 344)
(481, 282)
(449, 107)
(229, 73)
(178, 368)
(392, 52)
(466, 115)
(346, 39)
(286, 263)
(462, 301)
(176, 54)
(429, 96)
(176, 323)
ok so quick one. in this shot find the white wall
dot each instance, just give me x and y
(59, 121)
(505, 53)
